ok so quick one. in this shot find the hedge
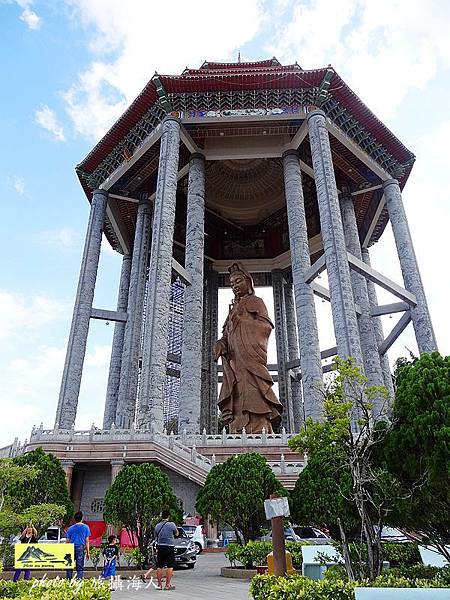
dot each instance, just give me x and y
(56, 589)
(254, 553)
(269, 587)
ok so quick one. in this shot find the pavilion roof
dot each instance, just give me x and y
(265, 74)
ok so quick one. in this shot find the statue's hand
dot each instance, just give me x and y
(219, 349)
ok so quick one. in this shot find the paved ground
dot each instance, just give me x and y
(201, 583)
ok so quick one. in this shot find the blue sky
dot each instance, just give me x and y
(69, 68)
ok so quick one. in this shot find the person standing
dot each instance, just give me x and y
(165, 532)
(110, 559)
(28, 536)
(78, 535)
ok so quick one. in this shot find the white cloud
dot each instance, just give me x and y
(129, 49)
(384, 50)
(20, 315)
(46, 118)
(18, 184)
(64, 238)
(32, 20)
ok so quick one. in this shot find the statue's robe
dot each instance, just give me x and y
(246, 398)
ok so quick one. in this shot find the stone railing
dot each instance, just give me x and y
(185, 439)
(184, 445)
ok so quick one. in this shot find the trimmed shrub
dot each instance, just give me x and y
(401, 555)
(269, 587)
(254, 553)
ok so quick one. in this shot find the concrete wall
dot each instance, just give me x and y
(98, 479)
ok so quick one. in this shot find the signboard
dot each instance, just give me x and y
(276, 507)
(44, 556)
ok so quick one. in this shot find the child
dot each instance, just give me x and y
(111, 559)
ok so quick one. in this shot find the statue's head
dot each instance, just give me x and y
(241, 281)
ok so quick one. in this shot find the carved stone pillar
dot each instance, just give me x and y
(126, 403)
(76, 347)
(154, 355)
(115, 365)
(191, 354)
(341, 293)
(423, 327)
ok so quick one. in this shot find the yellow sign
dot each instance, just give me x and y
(44, 556)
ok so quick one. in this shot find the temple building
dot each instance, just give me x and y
(283, 169)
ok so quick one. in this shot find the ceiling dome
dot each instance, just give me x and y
(245, 191)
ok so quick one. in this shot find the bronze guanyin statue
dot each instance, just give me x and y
(246, 398)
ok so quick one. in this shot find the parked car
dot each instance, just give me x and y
(311, 534)
(289, 536)
(390, 534)
(53, 535)
(185, 550)
(297, 533)
(196, 534)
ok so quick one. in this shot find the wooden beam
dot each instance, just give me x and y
(396, 332)
(360, 267)
(389, 309)
(315, 269)
(118, 226)
(181, 272)
(357, 151)
(108, 315)
(123, 168)
(374, 222)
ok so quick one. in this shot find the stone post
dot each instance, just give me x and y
(282, 349)
(68, 465)
(341, 294)
(115, 365)
(293, 352)
(191, 353)
(369, 345)
(76, 347)
(209, 388)
(117, 464)
(308, 337)
(151, 401)
(378, 329)
(420, 314)
(77, 486)
(126, 403)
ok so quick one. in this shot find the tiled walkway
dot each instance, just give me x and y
(201, 583)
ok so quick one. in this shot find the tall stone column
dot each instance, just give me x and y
(378, 328)
(126, 402)
(151, 401)
(117, 464)
(341, 294)
(293, 352)
(284, 392)
(115, 365)
(308, 337)
(420, 314)
(209, 389)
(369, 346)
(76, 347)
(191, 353)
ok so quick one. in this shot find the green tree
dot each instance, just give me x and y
(349, 438)
(417, 448)
(135, 501)
(12, 475)
(234, 493)
(321, 494)
(48, 487)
